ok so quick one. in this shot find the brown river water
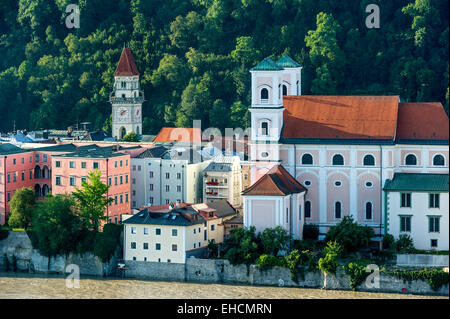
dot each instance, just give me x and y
(29, 286)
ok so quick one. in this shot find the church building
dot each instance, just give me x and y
(341, 149)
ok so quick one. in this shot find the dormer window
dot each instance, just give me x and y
(264, 128)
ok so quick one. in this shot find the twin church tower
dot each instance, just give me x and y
(270, 81)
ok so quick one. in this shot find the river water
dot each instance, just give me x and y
(33, 286)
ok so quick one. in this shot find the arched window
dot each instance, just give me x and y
(337, 210)
(307, 159)
(264, 94)
(285, 91)
(368, 210)
(369, 160)
(338, 159)
(298, 88)
(279, 91)
(411, 160)
(264, 128)
(438, 160)
(308, 209)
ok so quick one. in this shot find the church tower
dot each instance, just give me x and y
(126, 98)
(270, 82)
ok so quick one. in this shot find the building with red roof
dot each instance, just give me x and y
(342, 149)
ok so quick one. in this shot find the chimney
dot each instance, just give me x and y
(115, 147)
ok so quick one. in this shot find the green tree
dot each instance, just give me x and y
(350, 234)
(91, 200)
(131, 137)
(22, 207)
(274, 240)
(56, 226)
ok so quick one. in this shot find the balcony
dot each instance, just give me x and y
(127, 100)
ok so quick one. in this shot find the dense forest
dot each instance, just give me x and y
(194, 55)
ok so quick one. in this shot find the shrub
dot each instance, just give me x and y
(331, 253)
(357, 273)
(306, 244)
(350, 234)
(388, 242)
(310, 232)
(404, 244)
(274, 240)
(107, 241)
(296, 259)
(436, 278)
(268, 261)
(242, 246)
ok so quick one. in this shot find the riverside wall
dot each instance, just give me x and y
(200, 270)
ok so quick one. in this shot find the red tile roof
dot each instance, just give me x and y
(422, 121)
(276, 182)
(340, 117)
(126, 66)
(179, 134)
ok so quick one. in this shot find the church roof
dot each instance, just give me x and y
(126, 66)
(276, 182)
(287, 62)
(422, 121)
(348, 119)
(267, 65)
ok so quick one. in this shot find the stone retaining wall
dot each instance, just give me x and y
(422, 260)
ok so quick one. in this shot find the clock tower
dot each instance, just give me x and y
(126, 98)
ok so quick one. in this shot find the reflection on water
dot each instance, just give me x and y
(24, 285)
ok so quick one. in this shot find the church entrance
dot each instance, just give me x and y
(122, 132)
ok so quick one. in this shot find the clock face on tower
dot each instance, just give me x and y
(122, 113)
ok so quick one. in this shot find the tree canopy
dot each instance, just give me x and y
(194, 56)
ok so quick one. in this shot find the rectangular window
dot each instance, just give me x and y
(134, 167)
(95, 165)
(433, 201)
(158, 246)
(300, 212)
(121, 198)
(206, 235)
(14, 176)
(31, 174)
(121, 163)
(72, 180)
(167, 188)
(72, 164)
(115, 200)
(23, 175)
(167, 175)
(145, 246)
(8, 178)
(115, 163)
(151, 174)
(115, 180)
(150, 187)
(213, 227)
(151, 200)
(287, 215)
(133, 229)
(167, 201)
(58, 180)
(22, 160)
(158, 231)
(83, 164)
(133, 245)
(405, 200)
(44, 157)
(405, 223)
(58, 164)
(178, 175)
(126, 179)
(109, 181)
(14, 161)
(8, 196)
(126, 197)
(121, 179)
(145, 231)
(31, 159)
(36, 157)
(434, 243)
(174, 247)
(178, 189)
(139, 167)
(195, 230)
(434, 224)
(126, 162)
(174, 232)
(133, 181)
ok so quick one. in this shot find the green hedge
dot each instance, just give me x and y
(435, 277)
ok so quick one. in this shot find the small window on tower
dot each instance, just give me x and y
(285, 91)
(264, 128)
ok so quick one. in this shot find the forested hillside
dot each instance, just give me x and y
(194, 55)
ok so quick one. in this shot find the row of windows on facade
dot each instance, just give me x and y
(369, 160)
(434, 224)
(282, 88)
(338, 210)
(72, 164)
(118, 199)
(14, 175)
(433, 200)
(36, 158)
(158, 231)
